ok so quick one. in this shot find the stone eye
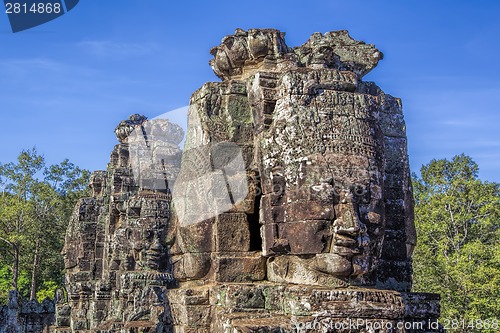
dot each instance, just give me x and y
(359, 190)
(374, 218)
(148, 234)
(360, 193)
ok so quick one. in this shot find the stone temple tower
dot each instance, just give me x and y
(289, 209)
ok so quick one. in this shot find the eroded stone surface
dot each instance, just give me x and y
(292, 203)
(323, 169)
(116, 250)
(269, 307)
(20, 316)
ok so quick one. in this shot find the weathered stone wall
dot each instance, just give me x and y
(291, 204)
(287, 308)
(26, 316)
(325, 159)
(116, 253)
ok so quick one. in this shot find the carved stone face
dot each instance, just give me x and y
(331, 213)
(97, 183)
(340, 197)
(68, 256)
(148, 245)
(154, 249)
(147, 221)
(357, 227)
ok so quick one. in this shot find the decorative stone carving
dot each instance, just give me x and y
(318, 145)
(292, 204)
(116, 252)
(337, 50)
(247, 49)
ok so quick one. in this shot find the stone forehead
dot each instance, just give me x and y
(342, 169)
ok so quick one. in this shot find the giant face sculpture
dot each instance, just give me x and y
(155, 251)
(324, 222)
(325, 144)
(357, 220)
(147, 232)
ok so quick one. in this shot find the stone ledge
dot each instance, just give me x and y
(269, 307)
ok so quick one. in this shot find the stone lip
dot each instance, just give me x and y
(243, 53)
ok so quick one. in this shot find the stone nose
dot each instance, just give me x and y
(156, 246)
(349, 223)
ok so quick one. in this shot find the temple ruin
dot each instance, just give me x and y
(288, 209)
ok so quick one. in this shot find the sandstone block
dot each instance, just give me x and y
(237, 267)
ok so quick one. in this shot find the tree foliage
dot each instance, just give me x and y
(35, 206)
(458, 252)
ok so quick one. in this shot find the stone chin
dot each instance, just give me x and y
(69, 264)
(345, 264)
(334, 264)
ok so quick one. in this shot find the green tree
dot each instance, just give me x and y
(35, 207)
(458, 252)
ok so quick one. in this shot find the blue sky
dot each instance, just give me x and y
(66, 84)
